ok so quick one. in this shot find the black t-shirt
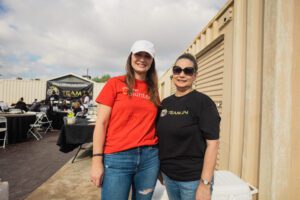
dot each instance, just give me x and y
(21, 105)
(183, 126)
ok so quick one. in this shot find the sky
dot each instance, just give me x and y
(46, 39)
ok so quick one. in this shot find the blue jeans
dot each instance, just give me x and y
(137, 168)
(181, 190)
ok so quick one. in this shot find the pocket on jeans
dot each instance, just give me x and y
(116, 161)
(155, 147)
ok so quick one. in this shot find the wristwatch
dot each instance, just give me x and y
(205, 182)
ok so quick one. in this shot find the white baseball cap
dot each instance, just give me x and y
(143, 45)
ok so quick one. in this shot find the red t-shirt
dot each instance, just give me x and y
(132, 119)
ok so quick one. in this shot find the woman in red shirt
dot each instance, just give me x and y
(125, 153)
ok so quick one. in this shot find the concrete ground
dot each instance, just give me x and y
(72, 182)
(27, 165)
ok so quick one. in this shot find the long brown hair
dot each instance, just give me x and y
(151, 80)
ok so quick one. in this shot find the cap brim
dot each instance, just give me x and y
(142, 50)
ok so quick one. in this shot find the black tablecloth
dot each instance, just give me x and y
(72, 136)
(57, 118)
(17, 126)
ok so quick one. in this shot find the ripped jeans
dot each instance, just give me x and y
(135, 168)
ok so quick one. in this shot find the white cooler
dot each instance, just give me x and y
(228, 186)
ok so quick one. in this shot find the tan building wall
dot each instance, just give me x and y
(165, 83)
(294, 175)
(278, 177)
(97, 88)
(12, 90)
(249, 58)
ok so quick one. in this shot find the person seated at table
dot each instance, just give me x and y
(21, 105)
(35, 107)
(63, 105)
(76, 107)
(53, 97)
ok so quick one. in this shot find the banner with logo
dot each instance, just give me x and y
(68, 90)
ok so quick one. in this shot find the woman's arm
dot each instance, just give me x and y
(98, 143)
(210, 157)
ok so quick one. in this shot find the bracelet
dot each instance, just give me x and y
(98, 154)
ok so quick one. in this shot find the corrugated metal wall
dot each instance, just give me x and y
(210, 77)
(12, 90)
(210, 74)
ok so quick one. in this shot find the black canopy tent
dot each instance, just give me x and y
(69, 87)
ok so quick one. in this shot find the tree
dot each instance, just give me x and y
(103, 78)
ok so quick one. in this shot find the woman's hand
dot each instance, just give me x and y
(97, 172)
(203, 192)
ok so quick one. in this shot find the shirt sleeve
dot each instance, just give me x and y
(108, 94)
(209, 121)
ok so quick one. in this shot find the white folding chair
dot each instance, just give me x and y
(45, 122)
(3, 122)
(44, 108)
(36, 127)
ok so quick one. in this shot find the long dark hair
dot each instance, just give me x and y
(151, 80)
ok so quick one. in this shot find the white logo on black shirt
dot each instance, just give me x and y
(183, 112)
(163, 113)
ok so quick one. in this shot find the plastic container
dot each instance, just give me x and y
(228, 186)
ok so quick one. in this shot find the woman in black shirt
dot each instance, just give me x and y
(188, 131)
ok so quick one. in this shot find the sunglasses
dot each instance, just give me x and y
(187, 71)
